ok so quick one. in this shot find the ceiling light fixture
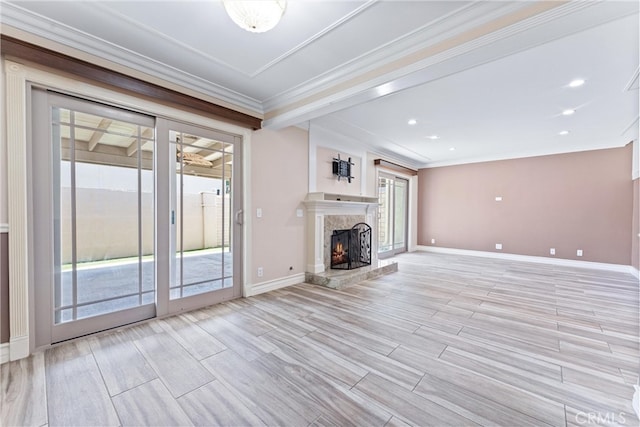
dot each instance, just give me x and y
(576, 83)
(563, 132)
(255, 16)
(433, 137)
(452, 149)
(568, 112)
(412, 122)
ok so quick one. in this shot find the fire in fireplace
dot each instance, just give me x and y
(351, 248)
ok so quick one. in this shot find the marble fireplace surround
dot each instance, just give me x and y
(328, 212)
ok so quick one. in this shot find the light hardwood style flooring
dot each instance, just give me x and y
(446, 341)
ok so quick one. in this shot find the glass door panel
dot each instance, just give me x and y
(400, 201)
(202, 201)
(392, 214)
(109, 249)
(385, 214)
(98, 173)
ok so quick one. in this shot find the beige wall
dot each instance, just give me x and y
(567, 202)
(279, 184)
(635, 238)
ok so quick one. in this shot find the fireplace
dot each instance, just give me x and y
(351, 248)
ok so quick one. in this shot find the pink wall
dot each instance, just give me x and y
(327, 182)
(635, 240)
(279, 184)
(567, 202)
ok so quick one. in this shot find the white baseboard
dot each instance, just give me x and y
(620, 268)
(19, 347)
(4, 353)
(635, 272)
(4, 227)
(272, 285)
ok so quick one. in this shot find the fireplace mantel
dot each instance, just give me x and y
(319, 205)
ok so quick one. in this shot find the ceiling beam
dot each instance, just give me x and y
(215, 155)
(504, 35)
(228, 158)
(97, 134)
(133, 147)
(196, 149)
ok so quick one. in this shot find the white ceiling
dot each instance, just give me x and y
(489, 78)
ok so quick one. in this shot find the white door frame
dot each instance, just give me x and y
(412, 208)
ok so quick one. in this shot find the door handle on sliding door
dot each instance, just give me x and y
(239, 217)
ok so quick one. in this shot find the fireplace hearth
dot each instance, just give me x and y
(351, 248)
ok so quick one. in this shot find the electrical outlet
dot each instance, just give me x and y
(299, 213)
(498, 198)
(552, 251)
(433, 241)
(499, 246)
(260, 272)
(579, 252)
(259, 212)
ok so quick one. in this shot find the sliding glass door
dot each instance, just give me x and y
(94, 181)
(392, 214)
(134, 216)
(205, 215)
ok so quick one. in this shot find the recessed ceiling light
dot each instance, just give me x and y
(433, 137)
(568, 112)
(452, 149)
(412, 122)
(576, 83)
(564, 132)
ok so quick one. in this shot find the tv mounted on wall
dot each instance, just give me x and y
(342, 168)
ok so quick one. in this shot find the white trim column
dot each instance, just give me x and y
(17, 211)
(315, 242)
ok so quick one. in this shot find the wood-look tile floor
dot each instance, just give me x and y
(448, 340)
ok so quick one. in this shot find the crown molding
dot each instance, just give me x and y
(252, 74)
(24, 51)
(27, 21)
(440, 57)
(519, 155)
(373, 144)
(313, 38)
(364, 143)
(460, 20)
(633, 81)
(632, 129)
(400, 64)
